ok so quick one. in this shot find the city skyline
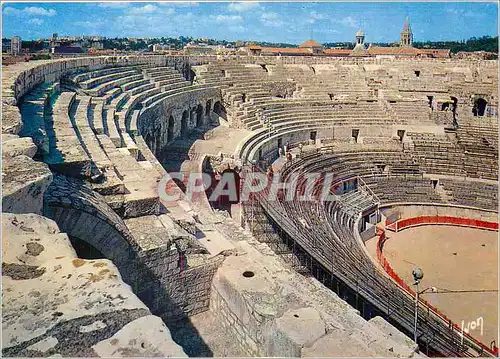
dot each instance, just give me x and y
(263, 21)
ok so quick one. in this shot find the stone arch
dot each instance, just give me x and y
(184, 123)
(170, 128)
(192, 76)
(224, 202)
(157, 140)
(208, 108)
(82, 213)
(220, 110)
(199, 116)
(148, 138)
(479, 107)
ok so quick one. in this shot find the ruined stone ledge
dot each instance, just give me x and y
(24, 184)
(57, 304)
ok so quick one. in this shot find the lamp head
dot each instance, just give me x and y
(418, 274)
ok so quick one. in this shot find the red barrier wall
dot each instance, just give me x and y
(430, 220)
(453, 221)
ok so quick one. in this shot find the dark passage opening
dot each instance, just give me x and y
(401, 134)
(430, 98)
(208, 107)
(199, 116)
(170, 129)
(184, 123)
(220, 110)
(479, 107)
(85, 250)
(355, 134)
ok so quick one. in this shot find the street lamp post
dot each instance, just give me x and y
(418, 274)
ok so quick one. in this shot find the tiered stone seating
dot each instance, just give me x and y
(80, 117)
(166, 78)
(478, 135)
(88, 75)
(414, 112)
(472, 193)
(89, 141)
(336, 84)
(153, 100)
(99, 85)
(141, 195)
(403, 189)
(242, 85)
(95, 116)
(392, 176)
(66, 153)
(343, 113)
(438, 154)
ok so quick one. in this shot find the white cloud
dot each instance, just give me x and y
(226, 18)
(238, 29)
(89, 24)
(156, 23)
(347, 21)
(35, 21)
(146, 9)
(178, 4)
(29, 11)
(114, 5)
(271, 19)
(242, 6)
(313, 16)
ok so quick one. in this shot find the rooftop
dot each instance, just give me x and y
(310, 43)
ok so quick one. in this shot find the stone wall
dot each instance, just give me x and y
(153, 122)
(55, 304)
(272, 311)
(171, 284)
(232, 322)
(399, 211)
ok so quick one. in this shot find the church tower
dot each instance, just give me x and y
(360, 37)
(406, 35)
(359, 49)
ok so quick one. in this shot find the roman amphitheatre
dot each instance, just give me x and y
(96, 263)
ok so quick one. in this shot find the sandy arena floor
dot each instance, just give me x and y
(452, 258)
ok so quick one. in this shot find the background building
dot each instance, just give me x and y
(15, 45)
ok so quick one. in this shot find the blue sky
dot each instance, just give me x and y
(266, 21)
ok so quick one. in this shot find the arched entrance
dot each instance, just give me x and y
(199, 116)
(192, 76)
(184, 123)
(149, 139)
(220, 110)
(224, 202)
(454, 109)
(170, 129)
(106, 233)
(479, 107)
(208, 107)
